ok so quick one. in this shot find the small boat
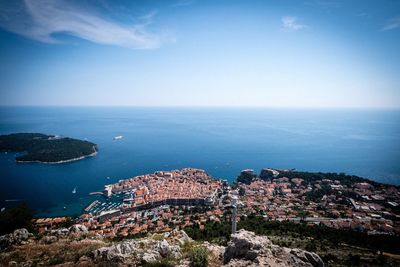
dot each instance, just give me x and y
(13, 200)
(108, 177)
(74, 191)
(118, 137)
(3, 209)
(65, 207)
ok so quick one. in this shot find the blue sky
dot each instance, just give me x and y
(310, 53)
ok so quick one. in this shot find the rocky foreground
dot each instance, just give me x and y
(75, 247)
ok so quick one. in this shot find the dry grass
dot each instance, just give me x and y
(62, 251)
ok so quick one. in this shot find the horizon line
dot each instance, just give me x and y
(205, 107)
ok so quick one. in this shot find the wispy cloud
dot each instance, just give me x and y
(180, 3)
(391, 24)
(40, 20)
(327, 4)
(290, 23)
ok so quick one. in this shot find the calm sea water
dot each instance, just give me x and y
(220, 140)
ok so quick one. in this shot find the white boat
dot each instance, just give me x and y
(118, 137)
(74, 191)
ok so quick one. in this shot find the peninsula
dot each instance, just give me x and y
(46, 148)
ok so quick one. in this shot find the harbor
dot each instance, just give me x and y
(100, 206)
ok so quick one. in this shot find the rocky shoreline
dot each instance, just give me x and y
(61, 161)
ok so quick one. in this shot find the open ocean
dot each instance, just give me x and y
(222, 141)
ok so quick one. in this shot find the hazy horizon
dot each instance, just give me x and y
(206, 107)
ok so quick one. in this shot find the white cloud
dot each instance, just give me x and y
(41, 19)
(391, 24)
(289, 23)
(181, 3)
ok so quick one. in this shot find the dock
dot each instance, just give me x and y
(96, 193)
(91, 205)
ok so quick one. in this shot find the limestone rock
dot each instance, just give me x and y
(17, 237)
(246, 245)
(78, 229)
(215, 250)
(59, 232)
(165, 249)
(175, 252)
(137, 251)
(313, 258)
(116, 252)
(248, 249)
(21, 235)
(244, 249)
(184, 237)
(150, 257)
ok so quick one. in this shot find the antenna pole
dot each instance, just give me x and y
(234, 214)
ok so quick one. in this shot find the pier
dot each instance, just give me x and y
(96, 193)
(91, 205)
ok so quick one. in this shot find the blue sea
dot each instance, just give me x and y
(222, 141)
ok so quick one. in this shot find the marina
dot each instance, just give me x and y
(98, 207)
(91, 205)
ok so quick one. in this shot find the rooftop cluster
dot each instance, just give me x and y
(185, 184)
(362, 206)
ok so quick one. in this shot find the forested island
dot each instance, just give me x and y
(46, 148)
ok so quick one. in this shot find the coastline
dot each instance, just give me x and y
(61, 161)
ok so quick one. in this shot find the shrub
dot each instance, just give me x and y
(160, 263)
(329, 257)
(311, 246)
(198, 257)
(187, 247)
(353, 260)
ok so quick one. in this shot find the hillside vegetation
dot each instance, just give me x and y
(45, 148)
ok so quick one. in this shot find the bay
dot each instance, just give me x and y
(222, 141)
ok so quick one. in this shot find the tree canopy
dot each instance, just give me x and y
(45, 148)
(17, 217)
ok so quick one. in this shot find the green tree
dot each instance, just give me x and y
(242, 191)
(246, 177)
(17, 217)
(303, 214)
